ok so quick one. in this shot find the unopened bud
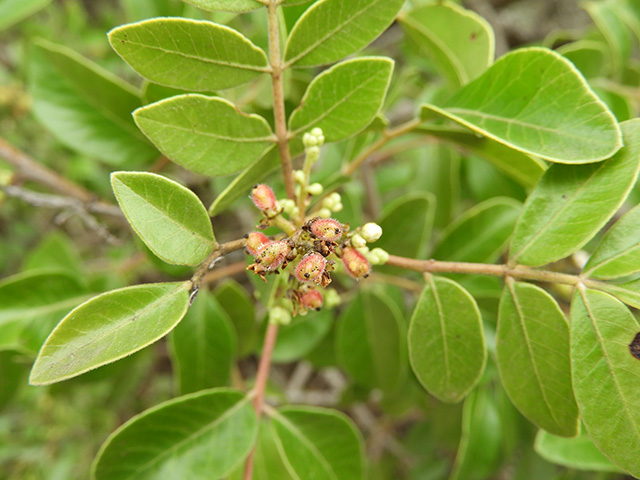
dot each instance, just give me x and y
(313, 152)
(315, 189)
(255, 240)
(309, 140)
(324, 212)
(378, 256)
(371, 232)
(355, 262)
(298, 176)
(272, 255)
(331, 298)
(311, 299)
(311, 268)
(287, 205)
(327, 229)
(279, 316)
(337, 207)
(264, 198)
(357, 241)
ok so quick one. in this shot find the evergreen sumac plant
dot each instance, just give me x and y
(419, 242)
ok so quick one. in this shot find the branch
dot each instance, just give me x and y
(278, 99)
(518, 271)
(214, 257)
(68, 204)
(29, 169)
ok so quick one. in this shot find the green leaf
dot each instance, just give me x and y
(571, 203)
(203, 347)
(535, 101)
(532, 346)
(406, 225)
(609, 19)
(109, 327)
(237, 6)
(31, 303)
(627, 292)
(480, 234)
(618, 254)
(587, 55)
(319, 443)
(55, 251)
(344, 99)
(371, 342)
(193, 55)
(254, 173)
(12, 371)
(446, 340)
(205, 434)
(577, 452)
(332, 29)
(460, 41)
(238, 305)
(207, 135)
(520, 167)
(12, 11)
(169, 218)
(605, 375)
(86, 107)
(479, 453)
(301, 336)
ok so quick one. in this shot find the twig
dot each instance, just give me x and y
(224, 272)
(261, 383)
(69, 206)
(278, 99)
(216, 254)
(29, 169)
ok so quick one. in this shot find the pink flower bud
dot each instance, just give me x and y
(311, 299)
(311, 268)
(272, 255)
(263, 197)
(355, 263)
(254, 241)
(327, 229)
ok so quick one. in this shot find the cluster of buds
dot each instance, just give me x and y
(313, 247)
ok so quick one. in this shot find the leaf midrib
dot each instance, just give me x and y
(608, 362)
(189, 438)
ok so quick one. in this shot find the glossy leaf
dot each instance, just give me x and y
(13, 11)
(406, 225)
(480, 234)
(618, 254)
(344, 99)
(207, 135)
(86, 107)
(521, 167)
(571, 203)
(460, 41)
(319, 443)
(31, 303)
(371, 342)
(605, 375)
(193, 55)
(210, 431)
(109, 327)
(301, 336)
(535, 101)
(446, 340)
(203, 347)
(577, 452)
(169, 218)
(237, 6)
(238, 305)
(254, 173)
(332, 29)
(532, 345)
